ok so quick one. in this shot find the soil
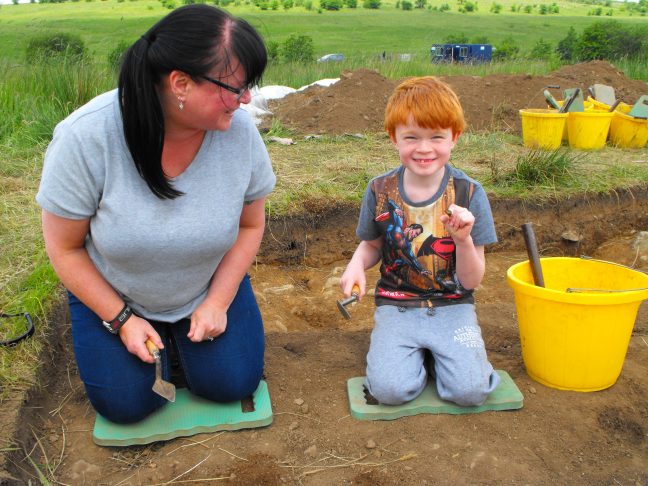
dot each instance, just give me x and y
(559, 437)
(356, 103)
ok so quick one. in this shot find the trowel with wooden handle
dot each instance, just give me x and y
(163, 388)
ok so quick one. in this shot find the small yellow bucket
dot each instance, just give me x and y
(576, 341)
(597, 105)
(588, 129)
(588, 106)
(542, 128)
(627, 131)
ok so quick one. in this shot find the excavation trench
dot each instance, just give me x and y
(564, 437)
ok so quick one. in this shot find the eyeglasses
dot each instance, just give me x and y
(239, 92)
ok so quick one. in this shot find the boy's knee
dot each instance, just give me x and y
(467, 394)
(465, 397)
(392, 391)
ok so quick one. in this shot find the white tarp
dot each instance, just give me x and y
(258, 106)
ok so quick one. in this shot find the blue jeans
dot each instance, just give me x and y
(119, 384)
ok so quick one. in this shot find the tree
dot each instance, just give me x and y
(594, 43)
(331, 4)
(273, 50)
(372, 4)
(298, 48)
(480, 39)
(566, 48)
(460, 38)
(541, 50)
(508, 49)
(64, 46)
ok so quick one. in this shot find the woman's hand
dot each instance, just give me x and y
(459, 224)
(208, 321)
(134, 334)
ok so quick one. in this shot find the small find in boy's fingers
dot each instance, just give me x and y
(448, 212)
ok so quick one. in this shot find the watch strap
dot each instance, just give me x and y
(114, 325)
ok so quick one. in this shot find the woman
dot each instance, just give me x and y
(153, 210)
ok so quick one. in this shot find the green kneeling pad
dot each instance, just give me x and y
(188, 415)
(506, 396)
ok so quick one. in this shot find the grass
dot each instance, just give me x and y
(542, 168)
(337, 169)
(358, 33)
(27, 282)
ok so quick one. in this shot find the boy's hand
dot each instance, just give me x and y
(459, 224)
(353, 276)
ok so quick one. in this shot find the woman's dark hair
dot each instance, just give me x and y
(193, 39)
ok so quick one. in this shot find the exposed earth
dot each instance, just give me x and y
(356, 103)
(558, 437)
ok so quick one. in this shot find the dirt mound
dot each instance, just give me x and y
(354, 104)
(357, 102)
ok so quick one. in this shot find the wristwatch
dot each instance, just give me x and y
(114, 325)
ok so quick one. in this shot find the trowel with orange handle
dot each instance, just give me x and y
(163, 388)
(349, 300)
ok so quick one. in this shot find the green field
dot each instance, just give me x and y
(358, 33)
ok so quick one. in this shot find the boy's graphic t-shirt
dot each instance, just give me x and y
(418, 266)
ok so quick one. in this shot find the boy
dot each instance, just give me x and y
(427, 222)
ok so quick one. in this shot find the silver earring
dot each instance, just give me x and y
(180, 103)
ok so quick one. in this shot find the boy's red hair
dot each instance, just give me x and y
(429, 101)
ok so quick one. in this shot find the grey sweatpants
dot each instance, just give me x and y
(395, 363)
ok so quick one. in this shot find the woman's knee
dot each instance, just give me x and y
(224, 390)
(123, 406)
(226, 382)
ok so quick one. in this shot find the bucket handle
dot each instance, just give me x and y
(571, 290)
(585, 257)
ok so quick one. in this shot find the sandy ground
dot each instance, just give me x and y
(558, 437)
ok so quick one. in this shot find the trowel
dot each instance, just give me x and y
(551, 100)
(163, 388)
(349, 300)
(574, 95)
(640, 108)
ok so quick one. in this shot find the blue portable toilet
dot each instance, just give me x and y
(469, 53)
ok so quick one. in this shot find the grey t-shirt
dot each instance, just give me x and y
(159, 254)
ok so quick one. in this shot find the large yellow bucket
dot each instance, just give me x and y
(576, 341)
(588, 129)
(627, 131)
(542, 128)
